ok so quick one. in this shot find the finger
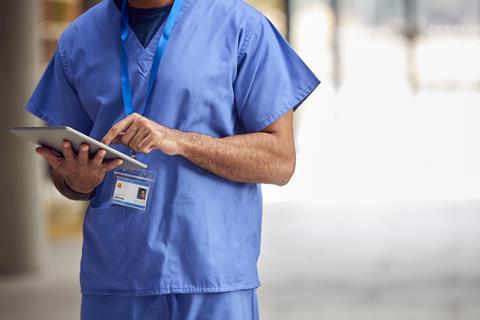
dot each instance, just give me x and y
(83, 153)
(131, 132)
(54, 160)
(98, 158)
(141, 134)
(112, 164)
(145, 145)
(120, 126)
(118, 139)
(68, 151)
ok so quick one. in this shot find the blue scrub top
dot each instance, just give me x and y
(226, 71)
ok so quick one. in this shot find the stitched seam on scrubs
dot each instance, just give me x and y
(64, 64)
(230, 285)
(252, 292)
(302, 95)
(241, 55)
(169, 290)
(246, 41)
(45, 117)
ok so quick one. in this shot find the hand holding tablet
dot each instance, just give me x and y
(81, 161)
(53, 138)
(80, 173)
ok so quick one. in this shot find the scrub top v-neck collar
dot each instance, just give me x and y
(133, 44)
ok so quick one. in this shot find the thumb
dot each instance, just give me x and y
(112, 164)
(50, 156)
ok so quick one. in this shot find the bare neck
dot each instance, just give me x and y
(147, 4)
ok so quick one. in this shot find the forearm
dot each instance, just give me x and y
(261, 157)
(252, 158)
(65, 190)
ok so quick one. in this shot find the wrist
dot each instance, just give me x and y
(171, 142)
(178, 141)
(77, 194)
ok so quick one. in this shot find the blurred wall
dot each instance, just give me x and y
(21, 220)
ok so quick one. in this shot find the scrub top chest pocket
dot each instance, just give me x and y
(132, 188)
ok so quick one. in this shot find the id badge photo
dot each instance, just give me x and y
(133, 187)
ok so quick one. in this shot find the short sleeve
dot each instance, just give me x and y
(55, 100)
(271, 77)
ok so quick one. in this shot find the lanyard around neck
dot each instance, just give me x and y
(162, 44)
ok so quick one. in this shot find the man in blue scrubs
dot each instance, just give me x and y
(203, 91)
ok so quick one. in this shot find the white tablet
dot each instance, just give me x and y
(53, 137)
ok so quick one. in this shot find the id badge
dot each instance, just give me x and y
(133, 188)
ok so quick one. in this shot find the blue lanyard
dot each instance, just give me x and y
(162, 44)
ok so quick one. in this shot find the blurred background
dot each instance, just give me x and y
(382, 218)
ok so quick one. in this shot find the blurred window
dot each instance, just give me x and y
(275, 10)
(448, 12)
(421, 44)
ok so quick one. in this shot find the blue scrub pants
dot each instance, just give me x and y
(234, 305)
